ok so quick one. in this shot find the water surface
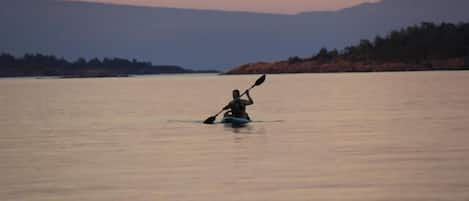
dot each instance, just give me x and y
(328, 137)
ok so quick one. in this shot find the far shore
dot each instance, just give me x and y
(344, 66)
(104, 76)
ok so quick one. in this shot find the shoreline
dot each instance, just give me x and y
(347, 72)
(117, 76)
(346, 66)
(354, 72)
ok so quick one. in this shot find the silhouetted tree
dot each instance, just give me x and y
(413, 44)
(293, 60)
(49, 65)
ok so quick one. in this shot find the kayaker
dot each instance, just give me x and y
(237, 107)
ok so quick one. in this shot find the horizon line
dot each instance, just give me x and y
(214, 9)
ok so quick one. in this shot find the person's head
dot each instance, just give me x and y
(235, 94)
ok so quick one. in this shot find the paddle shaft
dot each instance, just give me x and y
(245, 92)
(259, 81)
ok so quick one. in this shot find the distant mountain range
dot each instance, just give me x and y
(202, 39)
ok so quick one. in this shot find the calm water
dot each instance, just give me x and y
(359, 137)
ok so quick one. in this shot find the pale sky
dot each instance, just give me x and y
(269, 6)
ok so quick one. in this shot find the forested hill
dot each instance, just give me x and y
(427, 46)
(48, 65)
(412, 44)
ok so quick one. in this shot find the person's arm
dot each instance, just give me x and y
(250, 101)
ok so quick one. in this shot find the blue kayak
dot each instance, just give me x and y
(235, 120)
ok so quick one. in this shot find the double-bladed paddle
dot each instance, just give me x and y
(259, 81)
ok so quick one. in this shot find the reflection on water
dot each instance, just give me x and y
(239, 129)
(377, 136)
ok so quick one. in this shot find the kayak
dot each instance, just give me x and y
(235, 120)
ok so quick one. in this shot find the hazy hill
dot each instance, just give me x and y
(201, 39)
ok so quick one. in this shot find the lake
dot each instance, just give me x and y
(327, 137)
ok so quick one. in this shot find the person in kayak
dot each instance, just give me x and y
(237, 107)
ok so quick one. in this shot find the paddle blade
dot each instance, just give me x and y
(210, 120)
(260, 80)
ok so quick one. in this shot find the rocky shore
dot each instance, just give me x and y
(341, 65)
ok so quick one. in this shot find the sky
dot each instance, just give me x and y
(265, 6)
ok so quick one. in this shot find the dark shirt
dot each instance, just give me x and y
(238, 107)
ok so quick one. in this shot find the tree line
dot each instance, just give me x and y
(414, 44)
(49, 65)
